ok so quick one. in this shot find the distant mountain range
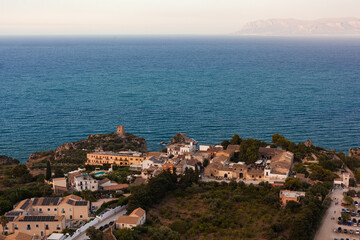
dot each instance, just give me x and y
(293, 27)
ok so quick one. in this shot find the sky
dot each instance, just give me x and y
(134, 17)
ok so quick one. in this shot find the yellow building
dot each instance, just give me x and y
(39, 225)
(125, 158)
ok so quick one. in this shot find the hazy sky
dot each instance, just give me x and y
(49, 17)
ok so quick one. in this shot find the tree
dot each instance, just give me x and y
(205, 163)
(293, 206)
(3, 220)
(293, 184)
(20, 170)
(225, 144)
(348, 200)
(164, 233)
(94, 234)
(48, 170)
(249, 151)
(125, 234)
(5, 205)
(59, 173)
(235, 140)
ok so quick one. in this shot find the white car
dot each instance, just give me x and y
(357, 231)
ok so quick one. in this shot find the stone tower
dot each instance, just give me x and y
(120, 130)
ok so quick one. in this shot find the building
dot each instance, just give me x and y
(59, 185)
(136, 218)
(39, 225)
(278, 164)
(287, 195)
(181, 148)
(124, 158)
(85, 182)
(19, 236)
(71, 207)
(56, 236)
(108, 185)
(343, 181)
(120, 130)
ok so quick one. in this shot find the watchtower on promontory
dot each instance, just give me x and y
(120, 130)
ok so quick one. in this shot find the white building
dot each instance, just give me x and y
(85, 182)
(204, 147)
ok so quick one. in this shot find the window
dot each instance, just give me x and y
(48, 209)
(40, 210)
(58, 227)
(37, 225)
(80, 216)
(46, 227)
(55, 209)
(42, 233)
(70, 209)
(15, 226)
(28, 227)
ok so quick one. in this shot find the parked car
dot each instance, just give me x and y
(357, 231)
(101, 228)
(339, 229)
(345, 230)
(351, 231)
(111, 223)
(342, 210)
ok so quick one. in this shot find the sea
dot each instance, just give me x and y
(62, 88)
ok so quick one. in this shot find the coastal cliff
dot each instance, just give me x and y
(75, 152)
(5, 160)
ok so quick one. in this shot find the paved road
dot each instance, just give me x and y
(102, 223)
(326, 230)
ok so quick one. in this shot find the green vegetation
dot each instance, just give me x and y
(228, 211)
(18, 184)
(235, 140)
(48, 170)
(94, 234)
(249, 150)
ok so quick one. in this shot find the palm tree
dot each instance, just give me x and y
(3, 220)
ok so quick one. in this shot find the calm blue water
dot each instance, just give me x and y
(56, 90)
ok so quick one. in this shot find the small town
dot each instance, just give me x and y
(90, 203)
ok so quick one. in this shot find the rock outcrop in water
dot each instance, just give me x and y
(5, 160)
(354, 153)
(181, 138)
(75, 152)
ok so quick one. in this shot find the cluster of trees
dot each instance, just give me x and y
(145, 195)
(21, 185)
(232, 211)
(321, 174)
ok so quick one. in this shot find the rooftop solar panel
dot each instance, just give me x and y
(80, 203)
(26, 203)
(35, 201)
(13, 213)
(38, 219)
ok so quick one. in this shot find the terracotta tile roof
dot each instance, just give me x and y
(18, 236)
(233, 148)
(127, 219)
(138, 212)
(104, 181)
(116, 187)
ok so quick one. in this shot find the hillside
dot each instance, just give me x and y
(75, 153)
(294, 27)
(5, 160)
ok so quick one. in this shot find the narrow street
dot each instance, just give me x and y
(102, 223)
(326, 229)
